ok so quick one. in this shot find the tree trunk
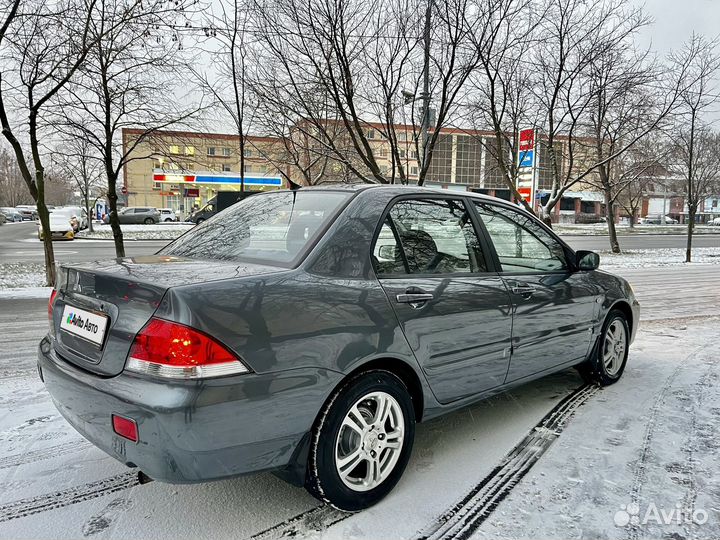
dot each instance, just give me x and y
(44, 216)
(691, 228)
(87, 210)
(612, 232)
(632, 219)
(114, 220)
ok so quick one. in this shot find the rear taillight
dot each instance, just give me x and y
(174, 351)
(51, 304)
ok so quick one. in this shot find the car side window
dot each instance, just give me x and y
(428, 236)
(521, 243)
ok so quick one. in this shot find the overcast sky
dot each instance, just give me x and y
(675, 21)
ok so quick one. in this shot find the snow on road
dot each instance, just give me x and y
(647, 442)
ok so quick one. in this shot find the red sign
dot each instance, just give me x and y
(192, 192)
(526, 193)
(527, 139)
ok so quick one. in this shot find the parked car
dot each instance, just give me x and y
(3, 219)
(63, 225)
(11, 214)
(78, 211)
(167, 214)
(308, 331)
(137, 214)
(657, 219)
(715, 221)
(204, 213)
(28, 213)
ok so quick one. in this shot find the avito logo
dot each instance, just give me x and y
(78, 321)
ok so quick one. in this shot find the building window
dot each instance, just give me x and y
(401, 151)
(371, 134)
(227, 152)
(248, 168)
(174, 149)
(382, 152)
(189, 150)
(157, 186)
(226, 168)
(247, 152)
(413, 171)
(413, 154)
(211, 151)
(402, 136)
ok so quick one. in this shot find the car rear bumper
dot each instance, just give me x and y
(191, 431)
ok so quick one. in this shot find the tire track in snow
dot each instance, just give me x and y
(42, 454)
(315, 520)
(463, 519)
(59, 499)
(640, 471)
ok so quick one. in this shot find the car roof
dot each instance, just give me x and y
(400, 189)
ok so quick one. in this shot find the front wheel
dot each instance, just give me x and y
(607, 363)
(149, 221)
(362, 442)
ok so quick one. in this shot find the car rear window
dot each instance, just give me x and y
(268, 227)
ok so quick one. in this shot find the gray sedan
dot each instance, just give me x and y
(306, 332)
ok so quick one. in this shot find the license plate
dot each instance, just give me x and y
(85, 324)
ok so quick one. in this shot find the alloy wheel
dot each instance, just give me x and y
(614, 347)
(370, 441)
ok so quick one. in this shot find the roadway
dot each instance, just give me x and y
(19, 242)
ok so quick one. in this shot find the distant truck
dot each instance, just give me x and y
(223, 200)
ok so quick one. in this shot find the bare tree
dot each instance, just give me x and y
(42, 45)
(84, 168)
(13, 190)
(500, 87)
(576, 39)
(344, 73)
(129, 79)
(696, 145)
(227, 81)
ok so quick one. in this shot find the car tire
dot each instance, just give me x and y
(199, 221)
(347, 429)
(149, 221)
(609, 357)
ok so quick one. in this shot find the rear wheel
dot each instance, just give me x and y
(607, 363)
(199, 221)
(362, 442)
(149, 221)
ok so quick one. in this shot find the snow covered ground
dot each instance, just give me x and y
(604, 464)
(159, 231)
(640, 258)
(21, 275)
(594, 229)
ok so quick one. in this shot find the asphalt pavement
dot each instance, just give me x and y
(19, 242)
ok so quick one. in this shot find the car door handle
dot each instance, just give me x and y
(523, 290)
(412, 298)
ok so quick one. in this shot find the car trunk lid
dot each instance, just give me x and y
(123, 294)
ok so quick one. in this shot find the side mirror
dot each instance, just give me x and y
(587, 260)
(387, 252)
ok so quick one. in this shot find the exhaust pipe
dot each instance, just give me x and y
(143, 478)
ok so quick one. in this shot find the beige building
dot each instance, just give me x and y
(182, 170)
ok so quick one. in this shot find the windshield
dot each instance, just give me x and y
(273, 227)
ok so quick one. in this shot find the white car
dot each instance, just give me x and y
(63, 225)
(78, 211)
(167, 214)
(715, 221)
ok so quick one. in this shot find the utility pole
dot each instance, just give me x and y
(425, 127)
